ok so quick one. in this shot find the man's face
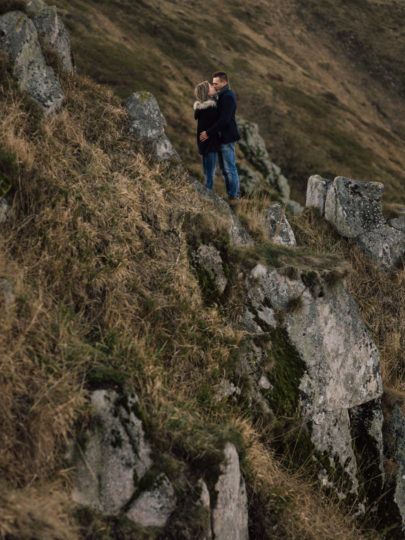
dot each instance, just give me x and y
(218, 84)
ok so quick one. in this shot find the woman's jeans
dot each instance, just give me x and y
(209, 162)
(226, 157)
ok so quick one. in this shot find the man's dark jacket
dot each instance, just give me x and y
(225, 126)
(206, 114)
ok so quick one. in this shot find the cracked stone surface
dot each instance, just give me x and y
(19, 38)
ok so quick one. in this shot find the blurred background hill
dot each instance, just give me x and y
(324, 80)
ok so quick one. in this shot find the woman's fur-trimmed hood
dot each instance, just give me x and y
(199, 105)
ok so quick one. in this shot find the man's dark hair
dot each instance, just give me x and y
(221, 74)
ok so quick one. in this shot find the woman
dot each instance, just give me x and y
(205, 112)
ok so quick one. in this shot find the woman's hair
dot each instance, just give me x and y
(201, 91)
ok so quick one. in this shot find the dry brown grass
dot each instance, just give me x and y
(96, 250)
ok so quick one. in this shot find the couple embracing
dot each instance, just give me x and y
(217, 131)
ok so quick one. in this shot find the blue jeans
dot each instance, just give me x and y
(209, 162)
(226, 157)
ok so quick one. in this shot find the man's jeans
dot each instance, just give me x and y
(209, 162)
(226, 158)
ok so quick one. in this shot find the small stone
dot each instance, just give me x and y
(294, 208)
(280, 230)
(317, 189)
(398, 223)
(153, 507)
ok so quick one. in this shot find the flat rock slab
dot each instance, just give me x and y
(19, 38)
(385, 246)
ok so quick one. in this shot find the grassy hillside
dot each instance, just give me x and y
(96, 250)
(324, 80)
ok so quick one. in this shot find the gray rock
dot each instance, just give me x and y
(237, 234)
(230, 515)
(153, 507)
(209, 259)
(385, 246)
(113, 455)
(398, 223)
(34, 6)
(19, 38)
(294, 208)
(254, 149)
(397, 431)
(342, 366)
(227, 389)
(354, 207)
(249, 179)
(4, 210)
(6, 293)
(205, 503)
(148, 124)
(317, 188)
(52, 30)
(280, 230)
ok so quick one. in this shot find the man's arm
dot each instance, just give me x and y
(225, 117)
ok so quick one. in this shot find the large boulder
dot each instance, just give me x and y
(354, 207)
(328, 352)
(148, 124)
(53, 32)
(19, 38)
(112, 456)
(254, 150)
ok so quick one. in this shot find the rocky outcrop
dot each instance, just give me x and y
(115, 473)
(53, 32)
(255, 152)
(111, 460)
(279, 229)
(19, 38)
(147, 123)
(336, 364)
(354, 209)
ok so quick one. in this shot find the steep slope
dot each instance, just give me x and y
(324, 80)
(95, 250)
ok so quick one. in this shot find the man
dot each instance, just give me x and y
(228, 133)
